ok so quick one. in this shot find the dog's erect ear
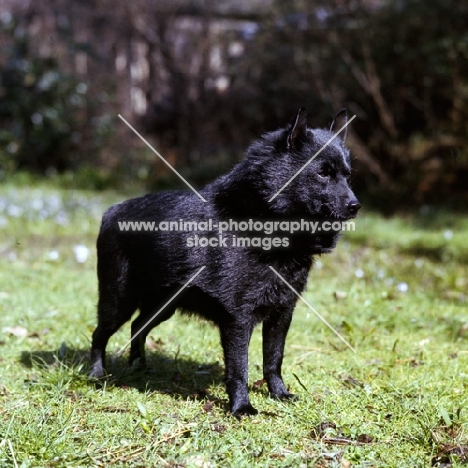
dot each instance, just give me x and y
(298, 132)
(338, 122)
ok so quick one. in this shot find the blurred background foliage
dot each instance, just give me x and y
(200, 79)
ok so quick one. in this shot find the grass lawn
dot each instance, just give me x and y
(396, 289)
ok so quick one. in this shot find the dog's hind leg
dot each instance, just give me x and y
(119, 297)
(274, 331)
(235, 338)
(142, 325)
(113, 311)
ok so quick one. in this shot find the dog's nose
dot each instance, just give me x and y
(353, 207)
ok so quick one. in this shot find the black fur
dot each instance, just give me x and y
(236, 290)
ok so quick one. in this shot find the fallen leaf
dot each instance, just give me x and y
(340, 295)
(324, 428)
(443, 458)
(44, 331)
(350, 381)
(364, 439)
(208, 407)
(154, 345)
(259, 383)
(218, 428)
(17, 331)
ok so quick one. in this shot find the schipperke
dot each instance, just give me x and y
(144, 269)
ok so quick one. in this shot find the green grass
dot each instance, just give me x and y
(399, 401)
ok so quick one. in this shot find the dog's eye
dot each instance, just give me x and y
(325, 172)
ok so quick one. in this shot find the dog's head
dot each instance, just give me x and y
(306, 171)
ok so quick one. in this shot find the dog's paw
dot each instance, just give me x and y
(97, 372)
(285, 396)
(138, 364)
(244, 410)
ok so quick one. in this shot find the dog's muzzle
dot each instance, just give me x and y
(353, 207)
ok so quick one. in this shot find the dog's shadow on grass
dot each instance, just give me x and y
(181, 377)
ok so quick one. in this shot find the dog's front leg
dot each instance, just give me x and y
(274, 331)
(235, 338)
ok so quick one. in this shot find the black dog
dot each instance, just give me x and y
(236, 290)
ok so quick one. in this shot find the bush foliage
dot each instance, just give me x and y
(202, 81)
